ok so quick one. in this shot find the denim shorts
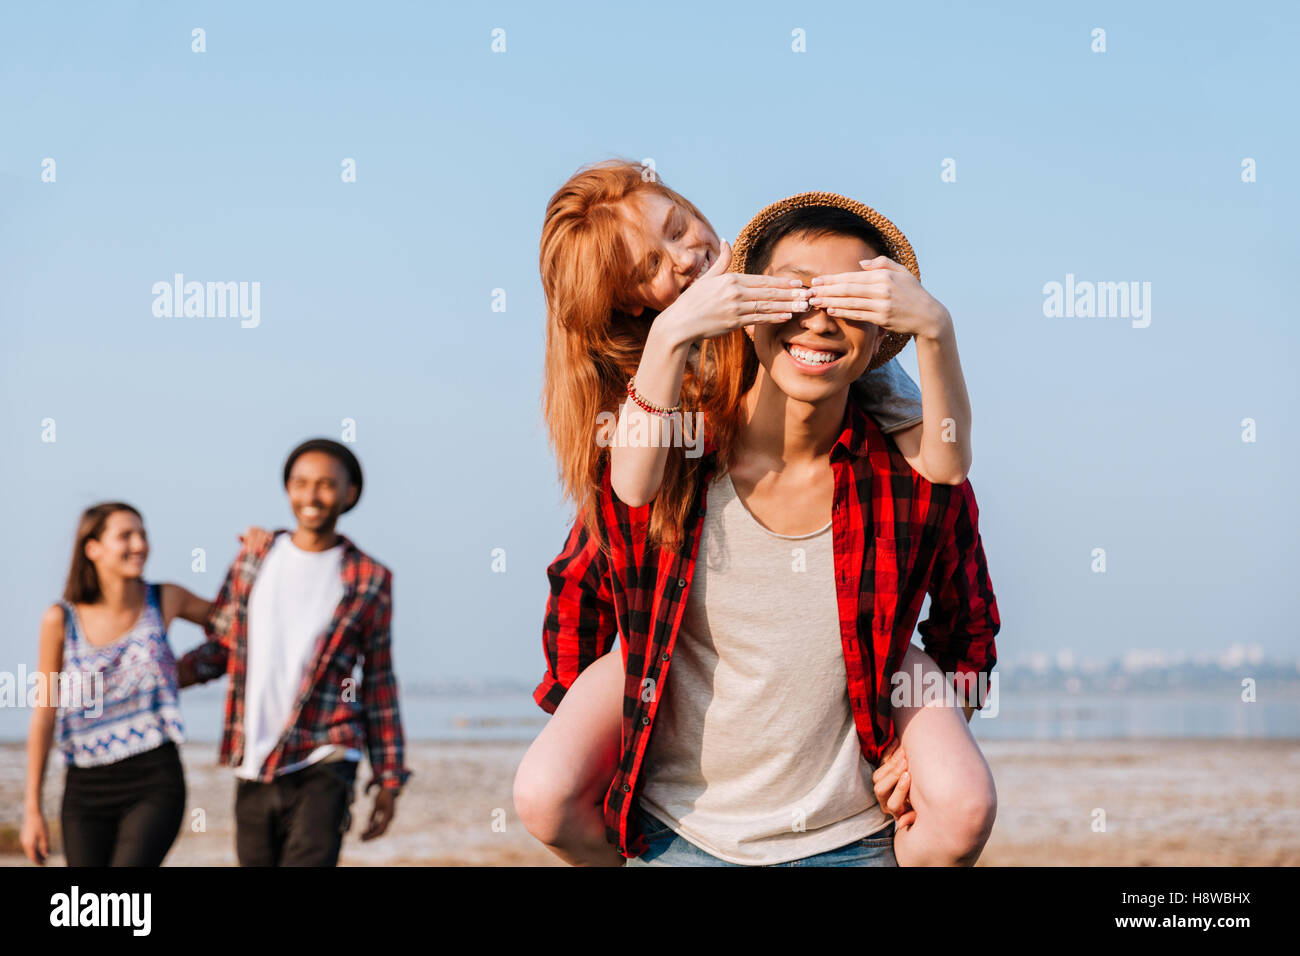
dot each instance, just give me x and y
(666, 848)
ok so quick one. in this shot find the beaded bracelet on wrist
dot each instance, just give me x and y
(650, 407)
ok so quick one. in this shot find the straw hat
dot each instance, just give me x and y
(897, 248)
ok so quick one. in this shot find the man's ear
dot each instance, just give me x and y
(352, 496)
(880, 338)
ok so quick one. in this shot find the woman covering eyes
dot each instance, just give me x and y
(639, 307)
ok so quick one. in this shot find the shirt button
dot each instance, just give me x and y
(645, 721)
(664, 656)
(681, 582)
(626, 788)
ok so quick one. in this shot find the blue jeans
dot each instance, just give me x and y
(668, 849)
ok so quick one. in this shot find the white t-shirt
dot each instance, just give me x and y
(290, 608)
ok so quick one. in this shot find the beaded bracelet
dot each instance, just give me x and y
(650, 407)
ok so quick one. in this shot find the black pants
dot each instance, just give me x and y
(295, 820)
(126, 813)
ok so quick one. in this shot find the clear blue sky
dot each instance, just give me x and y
(376, 296)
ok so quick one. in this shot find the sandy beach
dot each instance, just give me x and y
(1165, 802)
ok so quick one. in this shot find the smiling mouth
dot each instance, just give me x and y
(708, 261)
(813, 358)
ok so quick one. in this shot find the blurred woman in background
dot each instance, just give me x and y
(109, 701)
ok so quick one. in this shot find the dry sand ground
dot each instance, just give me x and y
(1166, 803)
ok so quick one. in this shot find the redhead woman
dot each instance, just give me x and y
(111, 703)
(641, 312)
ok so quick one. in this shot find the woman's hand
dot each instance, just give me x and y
(720, 301)
(891, 782)
(35, 837)
(255, 538)
(884, 293)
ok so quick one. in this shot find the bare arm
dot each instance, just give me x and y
(939, 447)
(637, 467)
(35, 838)
(177, 602)
(886, 294)
(717, 303)
(210, 659)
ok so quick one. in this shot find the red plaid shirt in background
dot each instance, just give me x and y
(896, 537)
(329, 708)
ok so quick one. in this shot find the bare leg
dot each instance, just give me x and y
(951, 786)
(561, 783)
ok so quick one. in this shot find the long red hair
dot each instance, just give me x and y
(594, 344)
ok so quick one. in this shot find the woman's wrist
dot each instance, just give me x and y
(939, 330)
(668, 336)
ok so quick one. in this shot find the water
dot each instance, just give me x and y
(1031, 715)
(1040, 715)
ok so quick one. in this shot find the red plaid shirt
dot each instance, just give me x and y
(329, 708)
(896, 537)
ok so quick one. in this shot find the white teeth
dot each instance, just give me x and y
(811, 357)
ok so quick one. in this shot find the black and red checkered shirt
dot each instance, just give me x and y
(896, 537)
(330, 708)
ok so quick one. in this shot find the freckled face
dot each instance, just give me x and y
(672, 246)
